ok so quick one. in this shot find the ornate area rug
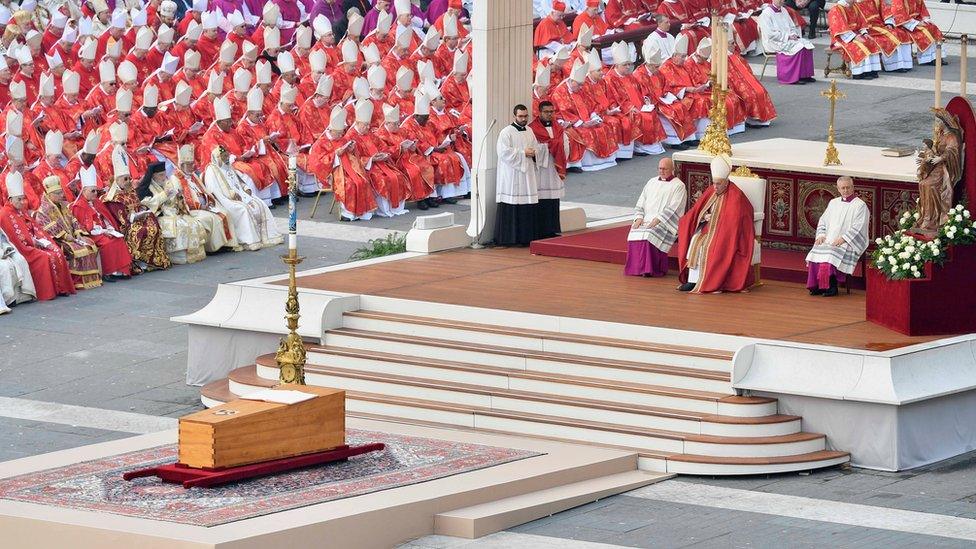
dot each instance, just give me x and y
(98, 486)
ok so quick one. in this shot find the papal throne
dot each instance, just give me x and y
(755, 190)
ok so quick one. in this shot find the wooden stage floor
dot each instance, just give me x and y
(513, 279)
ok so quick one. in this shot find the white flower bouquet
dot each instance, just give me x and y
(903, 256)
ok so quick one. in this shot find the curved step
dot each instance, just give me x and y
(549, 359)
(418, 351)
(218, 392)
(521, 337)
(565, 385)
(502, 399)
(538, 419)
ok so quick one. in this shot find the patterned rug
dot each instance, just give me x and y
(98, 486)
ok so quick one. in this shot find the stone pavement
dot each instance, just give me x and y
(108, 363)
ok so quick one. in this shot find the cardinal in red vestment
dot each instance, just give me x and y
(48, 266)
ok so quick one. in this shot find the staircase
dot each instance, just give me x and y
(673, 405)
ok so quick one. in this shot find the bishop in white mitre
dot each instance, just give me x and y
(517, 185)
(842, 236)
(16, 284)
(781, 35)
(253, 223)
(655, 228)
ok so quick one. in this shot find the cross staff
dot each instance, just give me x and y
(832, 95)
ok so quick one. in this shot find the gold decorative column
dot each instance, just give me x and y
(716, 139)
(291, 353)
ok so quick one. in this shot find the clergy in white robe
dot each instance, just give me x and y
(16, 284)
(842, 237)
(517, 186)
(253, 223)
(781, 35)
(662, 38)
(655, 227)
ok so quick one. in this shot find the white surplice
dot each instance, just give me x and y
(847, 220)
(664, 201)
(780, 34)
(517, 176)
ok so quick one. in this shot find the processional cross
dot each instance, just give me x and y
(832, 95)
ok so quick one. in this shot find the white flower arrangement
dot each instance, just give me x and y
(903, 256)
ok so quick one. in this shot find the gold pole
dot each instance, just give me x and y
(291, 353)
(833, 94)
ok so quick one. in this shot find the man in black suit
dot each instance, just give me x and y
(812, 9)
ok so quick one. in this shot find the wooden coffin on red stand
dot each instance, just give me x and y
(942, 303)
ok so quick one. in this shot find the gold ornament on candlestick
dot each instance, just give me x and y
(833, 94)
(291, 353)
(716, 139)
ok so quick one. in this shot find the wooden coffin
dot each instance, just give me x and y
(242, 431)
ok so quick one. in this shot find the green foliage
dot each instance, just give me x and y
(394, 243)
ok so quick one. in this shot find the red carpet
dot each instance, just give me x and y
(610, 246)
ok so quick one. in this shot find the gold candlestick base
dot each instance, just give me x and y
(831, 158)
(716, 139)
(291, 354)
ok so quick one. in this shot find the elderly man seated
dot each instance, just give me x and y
(842, 236)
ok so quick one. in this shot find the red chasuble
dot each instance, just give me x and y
(554, 141)
(112, 250)
(925, 34)
(345, 173)
(550, 30)
(729, 235)
(418, 168)
(387, 180)
(842, 20)
(48, 266)
(596, 24)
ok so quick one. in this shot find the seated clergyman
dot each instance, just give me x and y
(716, 237)
(842, 236)
(655, 227)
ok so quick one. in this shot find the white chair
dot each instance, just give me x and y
(755, 190)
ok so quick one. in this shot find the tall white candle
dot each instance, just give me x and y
(292, 242)
(963, 66)
(293, 162)
(938, 76)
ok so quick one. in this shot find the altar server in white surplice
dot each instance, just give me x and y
(16, 284)
(781, 36)
(842, 236)
(254, 225)
(655, 228)
(517, 187)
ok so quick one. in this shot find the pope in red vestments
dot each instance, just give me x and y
(716, 237)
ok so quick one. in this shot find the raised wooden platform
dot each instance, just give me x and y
(515, 280)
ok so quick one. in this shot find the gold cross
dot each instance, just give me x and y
(833, 94)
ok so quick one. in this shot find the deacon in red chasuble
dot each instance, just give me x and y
(716, 237)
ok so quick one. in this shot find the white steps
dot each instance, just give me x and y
(671, 404)
(487, 518)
